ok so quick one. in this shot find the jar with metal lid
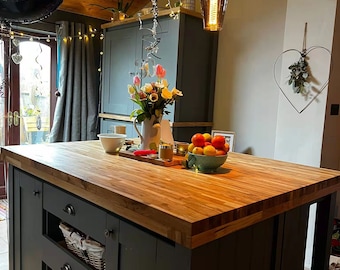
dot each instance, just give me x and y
(165, 152)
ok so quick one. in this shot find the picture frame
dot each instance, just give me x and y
(229, 137)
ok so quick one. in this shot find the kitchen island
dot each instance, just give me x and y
(251, 214)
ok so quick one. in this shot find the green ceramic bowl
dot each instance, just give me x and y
(206, 164)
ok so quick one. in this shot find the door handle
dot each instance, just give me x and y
(13, 118)
(16, 118)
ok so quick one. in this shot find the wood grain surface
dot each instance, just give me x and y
(185, 206)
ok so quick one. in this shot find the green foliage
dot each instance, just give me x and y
(299, 76)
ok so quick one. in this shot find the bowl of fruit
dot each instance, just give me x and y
(207, 153)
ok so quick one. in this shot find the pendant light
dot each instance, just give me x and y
(213, 14)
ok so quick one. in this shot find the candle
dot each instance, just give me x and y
(182, 148)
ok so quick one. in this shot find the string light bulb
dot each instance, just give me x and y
(213, 14)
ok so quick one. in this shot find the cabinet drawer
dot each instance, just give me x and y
(75, 211)
(56, 257)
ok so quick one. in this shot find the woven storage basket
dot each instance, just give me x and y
(88, 250)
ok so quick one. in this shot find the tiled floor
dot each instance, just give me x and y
(3, 245)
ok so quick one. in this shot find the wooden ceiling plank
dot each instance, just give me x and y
(99, 8)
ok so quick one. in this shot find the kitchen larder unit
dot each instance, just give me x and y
(186, 51)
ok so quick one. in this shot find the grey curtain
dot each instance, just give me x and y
(75, 117)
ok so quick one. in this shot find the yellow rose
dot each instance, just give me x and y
(166, 94)
(131, 89)
(147, 88)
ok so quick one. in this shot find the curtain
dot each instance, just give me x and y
(75, 116)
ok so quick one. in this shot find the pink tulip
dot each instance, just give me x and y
(160, 71)
(136, 80)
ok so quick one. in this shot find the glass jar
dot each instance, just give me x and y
(165, 152)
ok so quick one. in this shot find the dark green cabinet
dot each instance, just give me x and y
(186, 51)
(119, 61)
(26, 222)
(37, 208)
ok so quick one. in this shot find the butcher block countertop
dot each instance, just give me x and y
(185, 206)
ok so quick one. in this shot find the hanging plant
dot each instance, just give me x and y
(299, 75)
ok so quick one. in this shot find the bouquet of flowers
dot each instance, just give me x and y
(153, 97)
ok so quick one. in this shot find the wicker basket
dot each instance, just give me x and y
(87, 249)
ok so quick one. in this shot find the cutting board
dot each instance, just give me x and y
(176, 160)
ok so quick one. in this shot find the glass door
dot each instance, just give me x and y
(27, 86)
(35, 89)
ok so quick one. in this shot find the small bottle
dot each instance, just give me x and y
(165, 152)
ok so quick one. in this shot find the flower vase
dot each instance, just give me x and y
(151, 132)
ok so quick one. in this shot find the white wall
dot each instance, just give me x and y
(299, 136)
(247, 98)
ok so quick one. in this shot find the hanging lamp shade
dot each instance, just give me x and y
(27, 11)
(213, 14)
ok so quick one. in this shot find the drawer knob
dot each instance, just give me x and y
(36, 192)
(69, 209)
(66, 266)
(108, 233)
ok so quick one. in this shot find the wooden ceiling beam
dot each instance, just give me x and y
(99, 8)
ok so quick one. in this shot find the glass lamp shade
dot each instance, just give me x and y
(213, 14)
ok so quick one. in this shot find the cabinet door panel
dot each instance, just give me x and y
(167, 32)
(172, 256)
(27, 221)
(119, 62)
(112, 244)
(137, 248)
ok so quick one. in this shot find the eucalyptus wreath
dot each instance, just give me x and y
(299, 75)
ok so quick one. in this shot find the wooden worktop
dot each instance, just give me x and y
(187, 207)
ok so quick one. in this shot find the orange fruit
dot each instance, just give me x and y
(207, 137)
(220, 152)
(198, 150)
(226, 147)
(209, 150)
(191, 147)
